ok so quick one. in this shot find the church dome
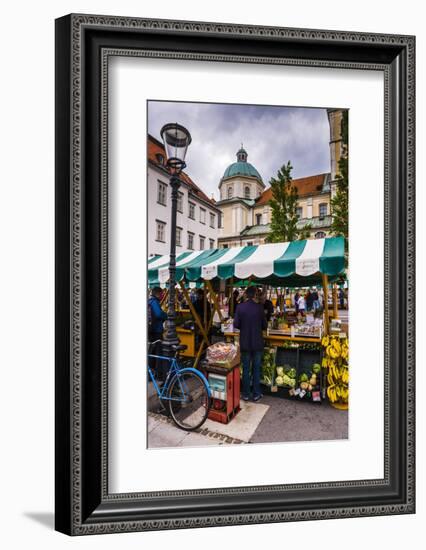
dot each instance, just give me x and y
(241, 167)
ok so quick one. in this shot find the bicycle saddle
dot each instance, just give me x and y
(179, 347)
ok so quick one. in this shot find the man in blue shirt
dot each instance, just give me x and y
(251, 321)
(156, 318)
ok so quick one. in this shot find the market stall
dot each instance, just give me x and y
(296, 264)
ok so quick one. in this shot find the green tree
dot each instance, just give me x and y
(283, 204)
(340, 201)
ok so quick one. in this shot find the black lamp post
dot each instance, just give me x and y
(176, 140)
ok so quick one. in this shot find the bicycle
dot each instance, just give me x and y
(185, 393)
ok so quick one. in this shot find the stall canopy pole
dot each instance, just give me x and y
(325, 289)
(231, 297)
(335, 310)
(215, 301)
(194, 313)
(205, 304)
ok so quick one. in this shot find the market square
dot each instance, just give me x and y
(248, 277)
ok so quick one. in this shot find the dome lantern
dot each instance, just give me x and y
(241, 154)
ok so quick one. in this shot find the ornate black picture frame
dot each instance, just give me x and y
(83, 45)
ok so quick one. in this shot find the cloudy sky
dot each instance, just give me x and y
(271, 137)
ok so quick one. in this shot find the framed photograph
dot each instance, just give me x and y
(234, 274)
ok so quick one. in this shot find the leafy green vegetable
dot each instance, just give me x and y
(316, 368)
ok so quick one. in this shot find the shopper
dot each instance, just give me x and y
(250, 320)
(309, 300)
(296, 301)
(341, 298)
(199, 306)
(301, 305)
(236, 299)
(156, 318)
(268, 306)
(315, 297)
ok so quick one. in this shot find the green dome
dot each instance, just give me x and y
(241, 168)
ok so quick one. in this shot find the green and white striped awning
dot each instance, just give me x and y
(306, 258)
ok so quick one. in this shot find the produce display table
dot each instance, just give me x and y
(275, 339)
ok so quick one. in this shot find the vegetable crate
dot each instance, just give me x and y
(294, 374)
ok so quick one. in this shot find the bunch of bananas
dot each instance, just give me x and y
(336, 361)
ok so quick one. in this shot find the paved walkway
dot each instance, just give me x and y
(162, 432)
(291, 420)
(284, 420)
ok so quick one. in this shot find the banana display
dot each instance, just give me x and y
(335, 360)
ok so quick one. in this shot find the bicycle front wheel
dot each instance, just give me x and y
(188, 400)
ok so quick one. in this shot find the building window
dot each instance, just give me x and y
(191, 210)
(323, 210)
(161, 232)
(249, 243)
(319, 235)
(202, 215)
(258, 219)
(180, 202)
(225, 246)
(162, 193)
(190, 241)
(202, 242)
(212, 220)
(211, 243)
(178, 236)
(299, 212)
(230, 192)
(247, 192)
(160, 158)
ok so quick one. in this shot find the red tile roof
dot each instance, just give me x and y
(311, 185)
(155, 148)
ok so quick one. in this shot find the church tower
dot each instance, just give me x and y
(241, 179)
(336, 144)
(239, 187)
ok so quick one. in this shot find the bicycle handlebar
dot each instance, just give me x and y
(155, 342)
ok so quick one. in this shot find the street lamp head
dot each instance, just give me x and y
(176, 140)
